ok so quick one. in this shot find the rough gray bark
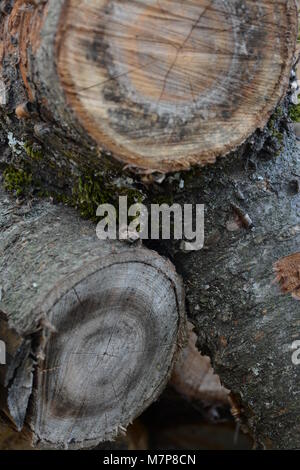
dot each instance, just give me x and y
(92, 327)
(245, 319)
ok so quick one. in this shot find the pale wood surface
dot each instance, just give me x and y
(159, 85)
(92, 327)
(193, 376)
(166, 84)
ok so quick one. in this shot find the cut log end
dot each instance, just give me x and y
(163, 84)
(155, 85)
(93, 343)
(110, 355)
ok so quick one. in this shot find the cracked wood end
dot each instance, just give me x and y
(92, 328)
(158, 85)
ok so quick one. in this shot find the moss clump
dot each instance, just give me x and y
(92, 191)
(33, 151)
(294, 112)
(277, 135)
(133, 195)
(88, 194)
(17, 180)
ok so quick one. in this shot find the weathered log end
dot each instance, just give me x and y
(163, 84)
(97, 326)
(159, 85)
(111, 353)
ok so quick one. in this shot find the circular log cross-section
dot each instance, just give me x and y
(163, 84)
(115, 342)
(92, 327)
(157, 85)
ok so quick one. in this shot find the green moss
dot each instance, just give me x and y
(88, 194)
(294, 112)
(133, 195)
(56, 197)
(89, 191)
(33, 151)
(17, 180)
(92, 191)
(276, 116)
(277, 135)
(278, 113)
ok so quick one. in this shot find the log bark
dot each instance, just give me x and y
(92, 327)
(242, 289)
(159, 86)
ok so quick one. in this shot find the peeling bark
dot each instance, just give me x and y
(67, 109)
(288, 274)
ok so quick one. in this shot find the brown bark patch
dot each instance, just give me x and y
(20, 37)
(288, 274)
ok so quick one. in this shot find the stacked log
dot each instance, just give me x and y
(92, 327)
(146, 89)
(156, 86)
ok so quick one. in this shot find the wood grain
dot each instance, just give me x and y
(92, 327)
(153, 85)
(167, 84)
